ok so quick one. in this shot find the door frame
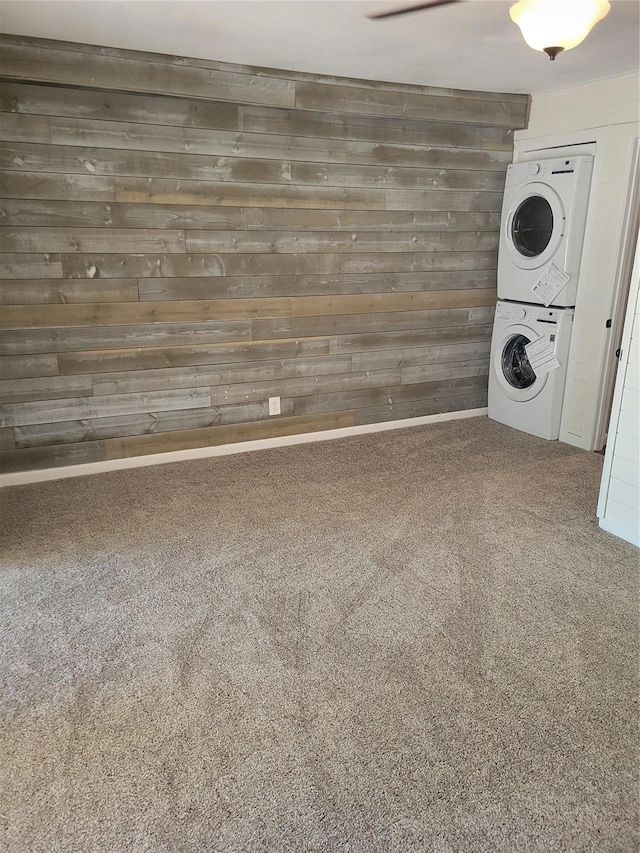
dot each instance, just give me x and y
(620, 297)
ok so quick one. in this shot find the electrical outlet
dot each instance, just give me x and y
(274, 405)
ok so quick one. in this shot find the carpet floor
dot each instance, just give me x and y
(416, 640)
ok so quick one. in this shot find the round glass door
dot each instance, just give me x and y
(532, 226)
(515, 363)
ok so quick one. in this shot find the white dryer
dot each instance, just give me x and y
(544, 212)
(518, 396)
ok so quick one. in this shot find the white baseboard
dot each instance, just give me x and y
(41, 475)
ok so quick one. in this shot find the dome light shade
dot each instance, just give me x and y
(555, 25)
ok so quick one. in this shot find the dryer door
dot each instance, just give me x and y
(534, 226)
(516, 378)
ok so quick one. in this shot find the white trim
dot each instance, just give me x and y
(632, 304)
(618, 79)
(622, 531)
(21, 478)
(619, 299)
(554, 144)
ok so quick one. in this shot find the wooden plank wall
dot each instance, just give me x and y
(183, 239)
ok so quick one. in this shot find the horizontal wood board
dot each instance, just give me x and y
(182, 239)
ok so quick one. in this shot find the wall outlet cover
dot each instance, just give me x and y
(274, 405)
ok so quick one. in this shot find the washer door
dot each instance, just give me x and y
(516, 378)
(534, 226)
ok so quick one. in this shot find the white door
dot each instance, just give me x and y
(516, 378)
(534, 226)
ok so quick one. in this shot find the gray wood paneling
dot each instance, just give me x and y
(37, 100)
(182, 239)
(350, 324)
(442, 200)
(303, 76)
(146, 423)
(409, 338)
(159, 289)
(136, 313)
(167, 191)
(7, 439)
(18, 414)
(416, 357)
(152, 357)
(337, 175)
(85, 240)
(134, 136)
(376, 128)
(53, 456)
(70, 214)
(392, 394)
(45, 185)
(29, 266)
(192, 438)
(73, 160)
(15, 127)
(222, 374)
(312, 242)
(69, 339)
(246, 392)
(46, 213)
(378, 342)
(419, 408)
(365, 101)
(221, 264)
(48, 388)
(53, 291)
(27, 365)
(371, 220)
(92, 70)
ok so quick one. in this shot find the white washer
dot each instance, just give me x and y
(517, 396)
(544, 211)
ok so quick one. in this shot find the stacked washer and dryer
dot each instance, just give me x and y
(542, 230)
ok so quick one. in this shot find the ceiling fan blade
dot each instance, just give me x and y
(428, 4)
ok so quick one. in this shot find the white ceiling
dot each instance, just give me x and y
(470, 45)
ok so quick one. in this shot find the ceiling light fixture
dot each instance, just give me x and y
(556, 25)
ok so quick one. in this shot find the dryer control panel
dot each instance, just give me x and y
(544, 170)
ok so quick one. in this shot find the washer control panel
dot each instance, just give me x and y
(532, 313)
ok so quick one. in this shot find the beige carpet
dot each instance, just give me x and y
(412, 641)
